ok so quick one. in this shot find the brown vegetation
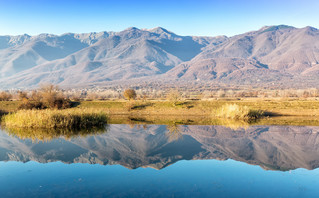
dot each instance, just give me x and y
(174, 96)
(48, 96)
(130, 94)
(55, 119)
(238, 112)
(5, 96)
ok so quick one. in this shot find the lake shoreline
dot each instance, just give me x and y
(278, 111)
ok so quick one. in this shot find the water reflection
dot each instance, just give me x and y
(158, 146)
(173, 132)
(44, 134)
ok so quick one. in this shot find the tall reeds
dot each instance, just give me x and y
(55, 119)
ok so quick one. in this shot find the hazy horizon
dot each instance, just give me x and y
(154, 28)
(196, 18)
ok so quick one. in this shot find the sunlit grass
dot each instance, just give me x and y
(55, 119)
(280, 107)
(237, 112)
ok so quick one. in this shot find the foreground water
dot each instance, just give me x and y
(163, 161)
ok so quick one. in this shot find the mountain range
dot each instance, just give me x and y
(273, 55)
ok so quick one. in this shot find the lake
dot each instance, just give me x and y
(163, 161)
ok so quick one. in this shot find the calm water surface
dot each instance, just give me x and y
(163, 161)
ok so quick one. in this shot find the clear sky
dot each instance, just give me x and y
(184, 17)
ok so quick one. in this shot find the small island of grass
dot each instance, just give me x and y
(55, 119)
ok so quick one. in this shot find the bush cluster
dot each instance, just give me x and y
(46, 97)
(4, 96)
(130, 94)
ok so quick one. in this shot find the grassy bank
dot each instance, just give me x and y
(90, 117)
(283, 107)
(55, 119)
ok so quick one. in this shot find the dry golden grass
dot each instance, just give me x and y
(55, 119)
(282, 107)
(237, 112)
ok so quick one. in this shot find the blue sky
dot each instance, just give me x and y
(188, 17)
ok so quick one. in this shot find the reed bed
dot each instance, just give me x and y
(237, 112)
(55, 119)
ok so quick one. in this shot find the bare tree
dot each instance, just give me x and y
(174, 96)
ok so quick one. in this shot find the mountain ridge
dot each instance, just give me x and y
(272, 54)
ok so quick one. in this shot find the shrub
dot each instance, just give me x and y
(4, 96)
(236, 112)
(129, 94)
(29, 104)
(22, 95)
(48, 96)
(174, 96)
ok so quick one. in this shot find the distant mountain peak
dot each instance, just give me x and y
(311, 28)
(160, 30)
(275, 28)
(273, 54)
(131, 29)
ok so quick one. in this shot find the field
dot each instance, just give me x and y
(282, 107)
(205, 107)
(279, 111)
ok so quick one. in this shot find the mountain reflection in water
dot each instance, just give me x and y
(158, 146)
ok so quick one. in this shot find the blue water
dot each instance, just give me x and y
(197, 178)
(202, 161)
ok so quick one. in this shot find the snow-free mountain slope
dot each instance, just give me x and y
(271, 55)
(20, 53)
(129, 54)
